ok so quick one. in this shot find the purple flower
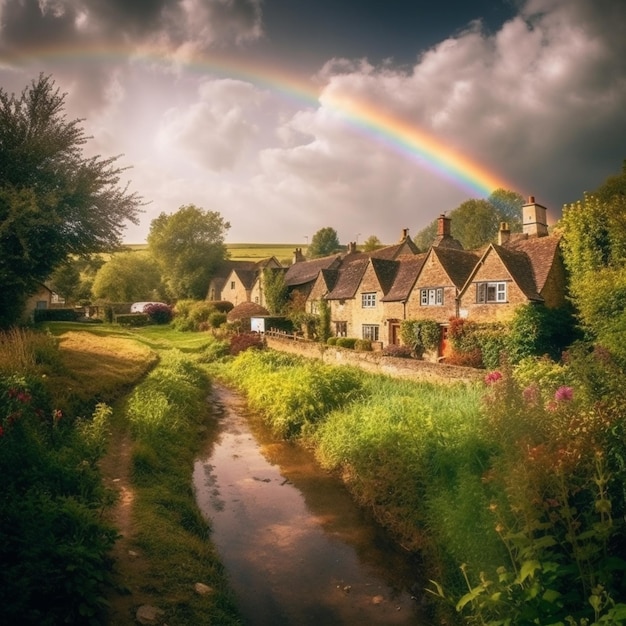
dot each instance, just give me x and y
(563, 394)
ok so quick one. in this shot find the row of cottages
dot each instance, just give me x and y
(371, 293)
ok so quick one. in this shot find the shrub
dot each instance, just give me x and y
(223, 306)
(158, 313)
(332, 341)
(55, 315)
(132, 319)
(346, 342)
(245, 341)
(363, 345)
(217, 319)
(421, 335)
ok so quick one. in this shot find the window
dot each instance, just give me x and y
(370, 331)
(431, 297)
(341, 329)
(232, 284)
(491, 292)
(368, 300)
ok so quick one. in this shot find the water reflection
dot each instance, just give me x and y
(297, 549)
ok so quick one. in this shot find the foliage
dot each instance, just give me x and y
(346, 342)
(132, 319)
(65, 280)
(25, 351)
(194, 315)
(276, 294)
(476, 222)
(363, 345)
(127, 277)
(217, 319)
(53, 543)
(537, 330)
(420, 335)
(332, 341)
(222, 306)
(54, 201)
(188, 246)
(55, 315)
(372, 243)
(245, 341)
(323, 243)
(298, 316)
(293, 394)
(594, 251)
(323, 330)
(158, 313)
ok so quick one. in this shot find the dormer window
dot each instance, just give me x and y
(491, 292)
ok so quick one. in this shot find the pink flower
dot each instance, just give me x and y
(493, 377)
(563, 394)
(531, 395)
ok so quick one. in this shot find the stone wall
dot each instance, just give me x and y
(375, 362)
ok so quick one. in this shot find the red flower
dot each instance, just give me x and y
(493, 377)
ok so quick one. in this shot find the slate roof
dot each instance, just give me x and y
(409, 267)
(541, 252)
(520, 268)
(393, 252)
(307, 271)
(247, 277)
(385, 271)
(349, 277)
(245, 310)
(458, 264)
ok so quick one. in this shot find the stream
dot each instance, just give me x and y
(297, 550)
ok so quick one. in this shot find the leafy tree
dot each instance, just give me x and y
(476, 222)
(323, 321)
(276, 295)
(594, 250)
(65, 280)
(54, 201)
(324, 242)
(127, 277)
(372, 243)
(188, 247)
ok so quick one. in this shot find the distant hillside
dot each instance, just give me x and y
(248, 251)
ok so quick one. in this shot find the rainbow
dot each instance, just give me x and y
(387, 129)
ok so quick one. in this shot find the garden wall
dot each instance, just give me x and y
(375, 362)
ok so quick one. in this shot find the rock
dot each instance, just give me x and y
(147, 614)
(378, 600)
(202, 589)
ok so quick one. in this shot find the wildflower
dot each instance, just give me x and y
(57, 414)
(563, 394)
(493, 377)
(531, 395)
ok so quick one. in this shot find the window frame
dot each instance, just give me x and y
(431, 296)
(368, 300)
(373, 335)
(492, 292)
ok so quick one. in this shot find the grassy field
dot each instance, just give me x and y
(247, 251)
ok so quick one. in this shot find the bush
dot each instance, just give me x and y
(158, 313)
(217, 319)
(332, 341)
(346, 342)
(363, 345)
(132, 319)
(421, 335)
(223, 306)
(55, 315)
(245, 341)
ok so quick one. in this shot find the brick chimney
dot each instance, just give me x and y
(352, 247)
(298, 257)
(504, 234)
(443, 226)
(405, 234)
(534, 219)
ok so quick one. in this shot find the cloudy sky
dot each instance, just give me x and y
(369, 116)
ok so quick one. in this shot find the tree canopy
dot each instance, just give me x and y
(54, 201)
(127, 277)
(476, 222)
(324, 242)
(372, 243)
(189, 247)
(594, 250)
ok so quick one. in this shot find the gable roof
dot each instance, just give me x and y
(409, 267)
(404, 246)
(348, 279)
(458, 264)
(247, 277)
(541, 253)
(306, 271)
(385, 271)
(518, 266)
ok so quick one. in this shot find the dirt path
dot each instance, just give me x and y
(128, 567)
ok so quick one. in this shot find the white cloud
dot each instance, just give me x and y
(214, 131)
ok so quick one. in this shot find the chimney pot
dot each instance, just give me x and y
(531, 200)
(443, 226)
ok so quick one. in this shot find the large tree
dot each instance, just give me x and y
(54, 201)
(594, 249)
(189, 247)
(126, 277)
(476, 222)
(324, 242)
